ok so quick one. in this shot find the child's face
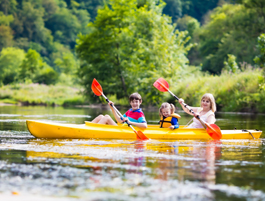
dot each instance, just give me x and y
(135, 104)
(206, 103)
(166, 112)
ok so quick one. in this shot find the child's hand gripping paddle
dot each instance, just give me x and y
(97, 89)
(212, 129)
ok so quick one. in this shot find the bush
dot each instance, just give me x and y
(243, 91)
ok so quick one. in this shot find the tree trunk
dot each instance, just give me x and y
(123, 85)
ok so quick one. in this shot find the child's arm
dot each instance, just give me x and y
(195, 109)
(174, 122)
(117, 117)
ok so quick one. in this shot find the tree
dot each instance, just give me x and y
(33, 69)
(6, 35)
(230, 65)
(8, 6)
(10, 59)
(64, 26)
(91, 6)
(232, 29)
(188, 23)
(66, 23)
(29, 23)
(198, 9)
(260, 59)
(129, 48)
(173, 8)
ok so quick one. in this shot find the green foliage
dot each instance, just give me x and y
(30, 24)
(50, 27)
(67, 64)
(34, 69)
(30, 65)
(10, 60)
(42, 25)
(232, 29)
(91, 6)
(41, 94)
(197, 9)
(129, 47)
(6, 37)
(64, 26)
(8, 6)
(242, 91)
(230, 65)
(73, 101)
(46, 75)
(188, 23)
(260, 59)
(5, 19)
(173, 8)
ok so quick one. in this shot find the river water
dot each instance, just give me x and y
(84, 169)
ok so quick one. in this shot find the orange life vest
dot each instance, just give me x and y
(166, 122)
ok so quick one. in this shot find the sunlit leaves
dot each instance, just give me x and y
(130, 47)
(260, 58)
(33, 69)
(232, 29)
(10, 60)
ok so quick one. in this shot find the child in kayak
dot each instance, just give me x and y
(133, 116)
(206, 111)
(168, 119)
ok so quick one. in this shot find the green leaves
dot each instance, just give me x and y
(230, 64)
(260, 59)
(33, 69)
(232, 29)
(10, 59)
(130, 46)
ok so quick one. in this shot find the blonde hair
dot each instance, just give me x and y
(166, 105)
(212, 101)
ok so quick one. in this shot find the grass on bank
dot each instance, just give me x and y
(40, 94)
(234, 92)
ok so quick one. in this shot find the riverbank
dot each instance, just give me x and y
(41, 94)
(243, 91)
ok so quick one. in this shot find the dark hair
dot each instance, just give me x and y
(135, 96)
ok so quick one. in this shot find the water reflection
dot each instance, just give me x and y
(126, 169)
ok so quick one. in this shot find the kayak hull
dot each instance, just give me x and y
(46, 129)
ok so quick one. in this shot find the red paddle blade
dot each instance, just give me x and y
(96, 88)
(141, 136)
(161, 85)
(214, 131)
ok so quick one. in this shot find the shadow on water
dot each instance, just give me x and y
(126, 169)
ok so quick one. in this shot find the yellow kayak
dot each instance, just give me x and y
(46, 129)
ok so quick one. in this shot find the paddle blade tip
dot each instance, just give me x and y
(141, 136)
(96, 87)
(161, 84)
(214, 131)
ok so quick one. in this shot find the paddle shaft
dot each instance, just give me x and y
(186, 106)
(204, 124)
(216, 134)
(118, 112)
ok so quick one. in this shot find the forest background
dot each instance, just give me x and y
(50, 51)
